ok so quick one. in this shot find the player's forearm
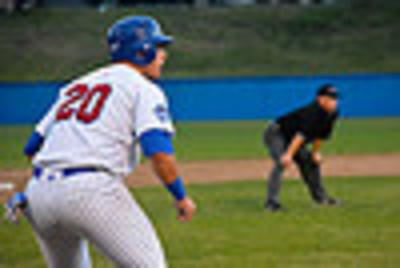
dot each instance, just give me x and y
(316, 146)
(295, 145)
(164, 166)
(157, 145)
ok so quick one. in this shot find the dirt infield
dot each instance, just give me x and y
(235, 170)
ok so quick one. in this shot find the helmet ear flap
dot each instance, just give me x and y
(143, 53)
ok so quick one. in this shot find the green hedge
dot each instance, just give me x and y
(57, 44)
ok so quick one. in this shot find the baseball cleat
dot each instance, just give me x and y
(329, 201)
(273, 206)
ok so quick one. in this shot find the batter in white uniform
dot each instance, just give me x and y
(88, 142)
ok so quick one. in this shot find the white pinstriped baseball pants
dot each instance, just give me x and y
(92, 206)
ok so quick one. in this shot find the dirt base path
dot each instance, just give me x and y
(236, 170)
(239, 170)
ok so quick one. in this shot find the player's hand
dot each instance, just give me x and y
(15, 206)
(186, 208)
(286, 160)
(12, 215)
(317, 157)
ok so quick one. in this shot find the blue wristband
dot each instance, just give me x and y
(19, 200)
(177, 189)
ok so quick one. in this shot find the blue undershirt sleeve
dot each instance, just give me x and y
(34, 144)
(156, 141)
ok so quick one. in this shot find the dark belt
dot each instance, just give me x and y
(38, 171)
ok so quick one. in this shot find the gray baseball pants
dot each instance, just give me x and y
(310, 171)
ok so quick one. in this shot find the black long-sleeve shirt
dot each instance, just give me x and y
(311, 121)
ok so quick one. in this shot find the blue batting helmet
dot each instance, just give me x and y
(135, 39)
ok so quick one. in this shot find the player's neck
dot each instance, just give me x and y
(133, 66)
(138, 69)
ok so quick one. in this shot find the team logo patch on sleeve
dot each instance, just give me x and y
(162, 113)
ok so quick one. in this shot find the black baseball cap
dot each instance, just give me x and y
(328, 90)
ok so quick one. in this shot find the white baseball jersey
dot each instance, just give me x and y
(97, 119)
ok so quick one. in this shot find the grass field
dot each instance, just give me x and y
(58, 44)
(232, 230)
(243, 140)
(238, 140)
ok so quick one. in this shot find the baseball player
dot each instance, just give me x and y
(287, 139)
(88, 142)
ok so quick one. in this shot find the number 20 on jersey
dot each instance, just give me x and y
(91, 99)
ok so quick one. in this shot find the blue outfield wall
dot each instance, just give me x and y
(250, 98)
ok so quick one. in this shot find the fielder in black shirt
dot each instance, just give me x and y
(287, 139)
